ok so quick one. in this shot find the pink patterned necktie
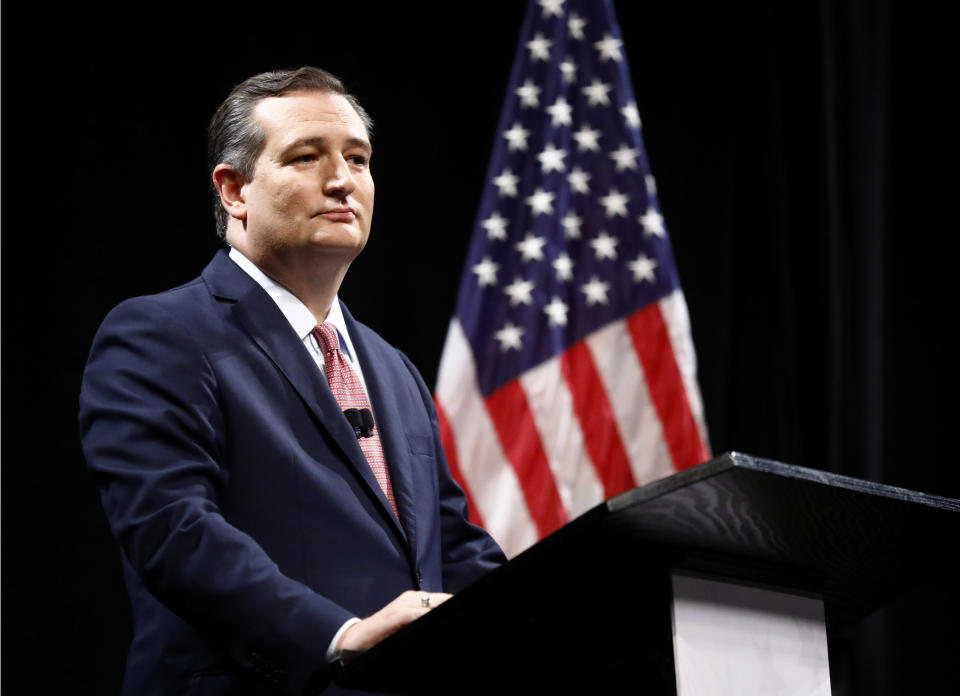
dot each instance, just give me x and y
(349, 393)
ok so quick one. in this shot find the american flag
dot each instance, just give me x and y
(568, 374)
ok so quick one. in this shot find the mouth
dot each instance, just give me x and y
(339, 214)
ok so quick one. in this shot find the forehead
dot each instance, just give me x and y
(302, 114)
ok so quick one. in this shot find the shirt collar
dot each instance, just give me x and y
(300, 318)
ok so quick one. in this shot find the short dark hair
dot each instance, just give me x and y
(235, 137)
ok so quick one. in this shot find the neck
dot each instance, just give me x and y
(314, 279)
(315, 286)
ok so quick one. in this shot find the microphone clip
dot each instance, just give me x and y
(361, 420)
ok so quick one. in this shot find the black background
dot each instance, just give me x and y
(805, 169)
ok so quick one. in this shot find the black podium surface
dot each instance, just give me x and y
(589, 607)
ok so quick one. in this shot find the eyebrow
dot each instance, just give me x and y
(319, 141)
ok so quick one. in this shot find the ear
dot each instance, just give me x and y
(230, 185)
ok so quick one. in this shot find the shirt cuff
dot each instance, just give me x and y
(332, 649)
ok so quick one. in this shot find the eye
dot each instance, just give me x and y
(359, 160)
(305, 157)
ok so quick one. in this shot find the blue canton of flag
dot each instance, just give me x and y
(568, 374)
(569, 235)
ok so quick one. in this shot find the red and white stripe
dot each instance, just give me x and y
(616, 410)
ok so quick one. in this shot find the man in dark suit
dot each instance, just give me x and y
(261, 532)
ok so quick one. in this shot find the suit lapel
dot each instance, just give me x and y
(384, 391)
(260, 317)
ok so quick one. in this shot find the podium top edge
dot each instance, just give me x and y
(737, 460)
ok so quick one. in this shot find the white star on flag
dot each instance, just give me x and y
(529, 94)
(569, 70)
(551, 8)
(563, 265)
(517, 137)
(520, 292)
(579, 180)
(541, 202)
(506, 183)
(652, 222)
(551, 159)
(557, 311)
(509, 337)
(625, 157)
(615, 203)
(651, 184)
(605, 246)
(531, 248)
(587, 138)
(609, 48)
(596, 93)
(560, 113)
(486, 271)
(496, 226)
(571, 225)
(596, 291)
(643, 268)
(631, 114)
(539, 47)
(575, 25)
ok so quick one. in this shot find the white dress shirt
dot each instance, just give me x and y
(303, 321)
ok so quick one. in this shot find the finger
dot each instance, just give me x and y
(430, 600)
(438, 598)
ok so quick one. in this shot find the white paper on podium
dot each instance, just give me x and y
(731, 639)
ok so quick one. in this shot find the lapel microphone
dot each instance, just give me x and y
(361, 420)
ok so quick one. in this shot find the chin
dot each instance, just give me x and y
(345, 243)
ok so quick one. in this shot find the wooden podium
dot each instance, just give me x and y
(596, 607)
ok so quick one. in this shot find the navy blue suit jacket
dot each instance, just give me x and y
(250, 524)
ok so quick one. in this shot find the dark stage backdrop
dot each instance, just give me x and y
(801, 159)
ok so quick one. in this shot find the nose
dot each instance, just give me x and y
(338, 181)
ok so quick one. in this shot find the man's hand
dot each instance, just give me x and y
(401, 611)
